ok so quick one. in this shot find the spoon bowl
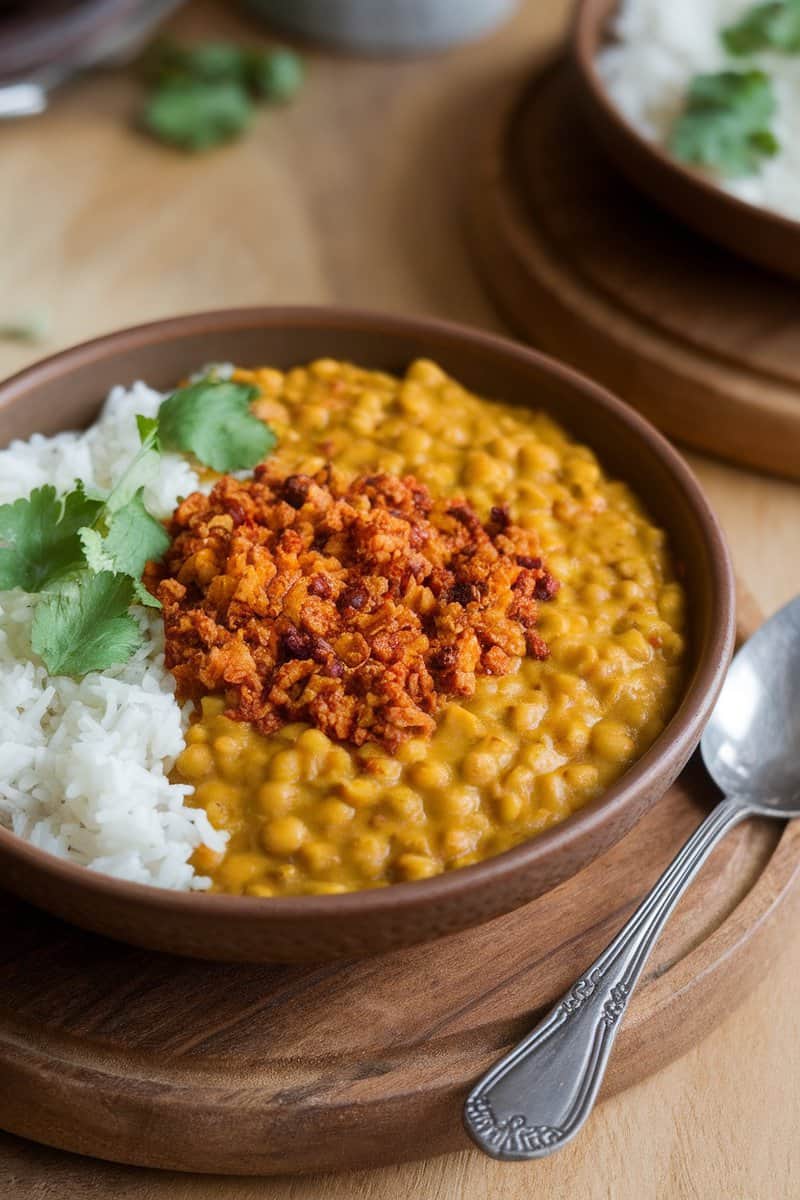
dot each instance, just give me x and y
(751, 745)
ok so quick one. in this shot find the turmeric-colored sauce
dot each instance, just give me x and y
(308, 813)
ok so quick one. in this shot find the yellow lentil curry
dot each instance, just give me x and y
(308, 814)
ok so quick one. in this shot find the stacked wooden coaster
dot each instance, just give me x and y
(589, 270)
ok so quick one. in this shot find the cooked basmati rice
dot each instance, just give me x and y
(659, 46)
(84, 763)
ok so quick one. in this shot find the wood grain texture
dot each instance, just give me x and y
(351, 196)
(143, 1058)
(707, 346)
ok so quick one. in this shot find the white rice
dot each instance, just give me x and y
(84, 763)
(661, 45)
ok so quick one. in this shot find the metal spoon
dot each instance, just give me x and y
(538, 1096)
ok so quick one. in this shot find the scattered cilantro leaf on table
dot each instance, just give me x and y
(82, 624)
(205, 94)
(725, 123)
(213, 421)
(275, 75)
(39, 537)
(30, 327)
(771, 26)
(196, 115)
(165, 61)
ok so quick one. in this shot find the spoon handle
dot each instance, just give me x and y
(538, 1096)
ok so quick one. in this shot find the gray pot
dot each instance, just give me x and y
(386, 26)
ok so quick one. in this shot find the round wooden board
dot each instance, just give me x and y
(158, 1061)
(585, 267)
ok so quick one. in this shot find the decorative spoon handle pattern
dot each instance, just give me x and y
(538, 1097)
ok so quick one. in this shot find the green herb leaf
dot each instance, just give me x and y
(195, 115)
(30, 327)
(142, 470)
(202, 93)
(275, 75)
(39, 537)
(82, 624)
(142, 596)
(725, 124)
(212, 420)
(771, 26)
(148, 431)
(166, 61)
(210, 61)
(129, 540)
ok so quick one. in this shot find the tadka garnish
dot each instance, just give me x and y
(86, 551)
(355, 607)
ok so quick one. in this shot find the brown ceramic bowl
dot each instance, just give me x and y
(65, 391)
(763, 237)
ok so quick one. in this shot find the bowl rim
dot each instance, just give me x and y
(584, 39)
(673, 744)
(38, 40)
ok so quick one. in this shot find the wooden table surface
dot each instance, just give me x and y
(352, 196)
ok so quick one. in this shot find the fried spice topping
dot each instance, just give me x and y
(357, 608)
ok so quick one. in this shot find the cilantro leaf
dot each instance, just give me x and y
(270, 74)
(85, 552)
(148, 431)
(82, 624)
(142, 470)
(725, 124)
(131, 538)
(39, 537)
(195, 115)
(142, 596)
(166, 61)
(212, 420)
(275, 75)
(771, 26)
(203, 94)
(30, 327)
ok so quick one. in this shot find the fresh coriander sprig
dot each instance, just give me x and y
(205, 95)
(84, 625)
(86, 552)
(196, 116)
(771, 26)
(40, 537)
(725, 123)
(212, 420)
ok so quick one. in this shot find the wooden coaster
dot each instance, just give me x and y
(158, 1061)
(585, 267)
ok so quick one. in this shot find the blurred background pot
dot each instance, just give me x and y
(386, 26)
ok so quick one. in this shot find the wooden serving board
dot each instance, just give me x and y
(588, 269)
(158, 1061)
